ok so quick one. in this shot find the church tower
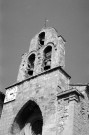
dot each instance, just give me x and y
(42, 102)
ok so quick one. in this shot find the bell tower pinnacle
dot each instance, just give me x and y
(46, 51)
(45, 23)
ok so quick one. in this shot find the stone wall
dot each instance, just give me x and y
(2, 96)
(81, 115)
(63, 111)
(6, 118)
(43, 90)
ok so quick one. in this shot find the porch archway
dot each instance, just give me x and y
(30, 114)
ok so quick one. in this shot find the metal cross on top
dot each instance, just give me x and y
(45, 23)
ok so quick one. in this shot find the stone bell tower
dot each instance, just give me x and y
(32, 105)
(41, 77)
(41, 102)
(46, 52)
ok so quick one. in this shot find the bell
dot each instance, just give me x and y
(48, 63)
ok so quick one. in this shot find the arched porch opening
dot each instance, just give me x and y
(31, 114)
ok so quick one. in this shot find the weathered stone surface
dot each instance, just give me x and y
(58, 53)
(43, 102)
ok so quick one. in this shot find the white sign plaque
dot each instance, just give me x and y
(10, 94)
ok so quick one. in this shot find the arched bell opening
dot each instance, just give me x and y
(30, 114)
(31, 60)
(47, 57)
(41, 38)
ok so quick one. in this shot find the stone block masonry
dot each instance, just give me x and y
(42, 102)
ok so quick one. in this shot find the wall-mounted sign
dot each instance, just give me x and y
(10, 94)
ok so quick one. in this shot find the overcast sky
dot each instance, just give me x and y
(20, 20)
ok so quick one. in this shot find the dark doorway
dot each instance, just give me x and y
(30, 113)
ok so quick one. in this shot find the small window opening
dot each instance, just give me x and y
(47, 58)
(31, 60)
(41, 38)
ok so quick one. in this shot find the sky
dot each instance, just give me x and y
(20, 20)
